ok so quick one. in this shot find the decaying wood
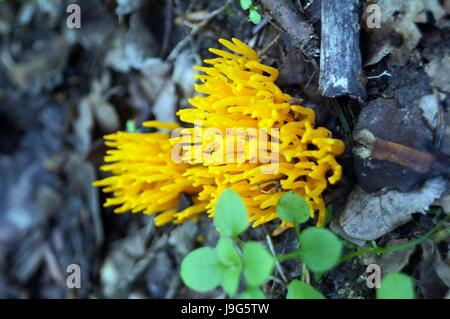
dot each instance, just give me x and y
(292, 21)
(340, 56)
(420, 162)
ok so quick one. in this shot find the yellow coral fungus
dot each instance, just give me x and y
(274, 147)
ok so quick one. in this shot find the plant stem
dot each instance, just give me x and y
(343, 119)
(394, 248)
(377, 249)
(293, 255)
(297, 233)
(238, 241)
(441, 235)
(382, 250)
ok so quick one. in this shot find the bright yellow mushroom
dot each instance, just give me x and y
(238, 93)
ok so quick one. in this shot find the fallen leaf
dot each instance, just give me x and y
(434, 278)
(438, 70)
(131, 48)
(395, 261)
(399, 34)
(369, 216)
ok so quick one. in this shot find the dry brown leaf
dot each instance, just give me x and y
(369, 216)
(399, 34)
(438, 70)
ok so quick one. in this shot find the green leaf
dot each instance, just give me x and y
(227, 253)
(230, 215)
(396, 286)
(293, 208)
(299, 290)
(201, 269)
(230, 281)
(230, 258)
(252, 293)
(245, 4)
(258, 263)
(254, 16)
(320, 249)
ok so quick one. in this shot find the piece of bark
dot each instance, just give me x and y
(300, 31)
(340, 54)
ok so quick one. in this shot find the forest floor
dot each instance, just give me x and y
(63, 89)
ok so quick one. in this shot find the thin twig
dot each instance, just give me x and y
(270, 45)
(398, 247)
(300, 31)
(277, 263)
(173, 285)
(195, 30)
(278, 281)
(141, 266)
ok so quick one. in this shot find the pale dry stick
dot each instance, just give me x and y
(141, 266)
(306, 277)
(270, 45)
(53, 265)
(180, 45)
(148, 232)
(341, 71)
(306, 7)
(300, 31)
(385, 73)
(281, 282)
(173, 286)
(277, 263)
(189, 24)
